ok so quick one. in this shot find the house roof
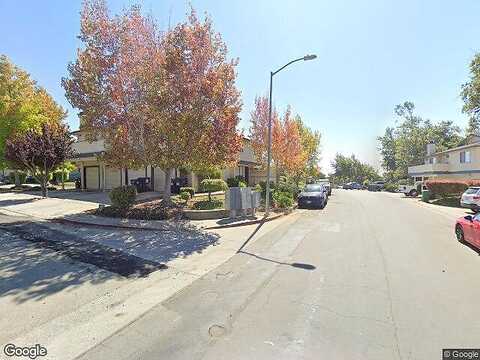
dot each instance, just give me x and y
(475, 144)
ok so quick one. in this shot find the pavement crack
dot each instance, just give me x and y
(337, 313)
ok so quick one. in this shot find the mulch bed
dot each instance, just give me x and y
(151, 210)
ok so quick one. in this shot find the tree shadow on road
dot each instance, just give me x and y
(30, 272)
(295, 265)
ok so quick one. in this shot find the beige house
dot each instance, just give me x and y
(95, 175)
(462, 162)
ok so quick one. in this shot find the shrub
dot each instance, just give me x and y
(287, 186)
(184, 195)
(257, 187)
(282, 199)
(444, 188)
(211, 185)
(123, 197)
(190, 190)
(208, 205)
(263, 189)
(21, 175)
(210, 173)
(237, 181)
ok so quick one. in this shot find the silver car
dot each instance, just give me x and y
(471, 198)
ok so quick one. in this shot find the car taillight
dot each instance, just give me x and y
(476, 197)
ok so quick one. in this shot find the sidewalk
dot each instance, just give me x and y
(82, 325)
(78, 304)
(452, 213)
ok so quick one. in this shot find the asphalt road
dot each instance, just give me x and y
(373, 276)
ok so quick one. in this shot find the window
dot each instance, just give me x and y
(465, 157)
(313, 188)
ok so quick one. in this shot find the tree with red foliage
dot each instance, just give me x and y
(168, 101)
(287, 151)
(108, 81)
(40, 151)
(196, 111)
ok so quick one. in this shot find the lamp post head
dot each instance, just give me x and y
(309, 57)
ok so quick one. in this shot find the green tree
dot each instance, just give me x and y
(310, 141)
(23, 105)
(387, 151)
(348, 169)
(471, 96)
(405, 145)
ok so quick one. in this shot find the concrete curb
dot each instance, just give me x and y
(252, 222)
(148, 228)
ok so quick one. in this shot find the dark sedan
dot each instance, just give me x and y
(314, 195)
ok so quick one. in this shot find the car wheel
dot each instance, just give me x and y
(413, 193)
(459, 233)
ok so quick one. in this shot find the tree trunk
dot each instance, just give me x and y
(63, 179)
(45, 180)
(166, 190)
(17, 178)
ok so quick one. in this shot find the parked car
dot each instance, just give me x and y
(467, 229)
(353, 186)
(376, 186)
(412, 190)
(471, 198)
(313, 195)
(328, 186)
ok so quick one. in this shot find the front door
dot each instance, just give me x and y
(247, 175)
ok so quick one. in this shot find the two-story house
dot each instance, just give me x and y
(462, 162)
(95, 175)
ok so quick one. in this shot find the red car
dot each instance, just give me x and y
(467, 229)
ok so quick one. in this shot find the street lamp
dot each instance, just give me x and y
(269, 152)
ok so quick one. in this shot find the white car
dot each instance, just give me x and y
(326, 183)
(412, 190)
(471, 198)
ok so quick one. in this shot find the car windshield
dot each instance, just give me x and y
(471, 191)
(313, 188)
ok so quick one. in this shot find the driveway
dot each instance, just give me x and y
(372, 276)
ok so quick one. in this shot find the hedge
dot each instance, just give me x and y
(446, 187)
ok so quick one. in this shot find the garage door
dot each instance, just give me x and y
(112, 178)
(92, 180)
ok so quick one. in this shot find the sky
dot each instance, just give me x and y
(372, 55)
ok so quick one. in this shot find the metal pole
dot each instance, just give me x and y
(269, 151)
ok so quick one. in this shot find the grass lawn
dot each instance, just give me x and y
(452, 201)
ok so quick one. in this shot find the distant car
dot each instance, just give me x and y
(376, 186)
(471, 198)
(467, 229)
(313, 195)
(326, 183)
(353, 186)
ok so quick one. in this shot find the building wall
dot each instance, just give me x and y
(82, 146)
(447, 165)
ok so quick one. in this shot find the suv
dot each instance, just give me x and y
(471, 198)
(376, 186)
(328, 186)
